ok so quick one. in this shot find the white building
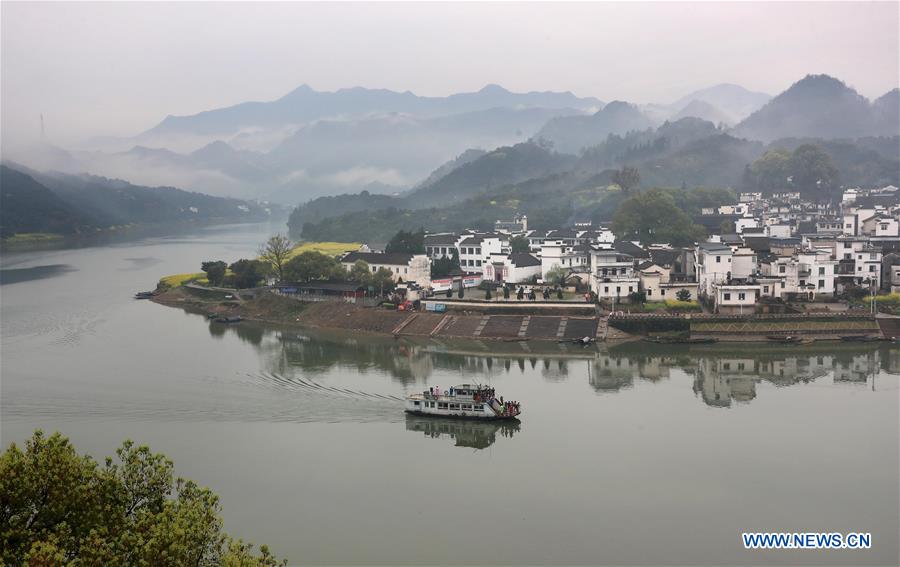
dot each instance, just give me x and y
(518, 267)
(612, 274)
(735, 298)
(712, 262)
(558, 254)
(406, 267)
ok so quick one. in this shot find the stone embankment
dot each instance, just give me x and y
(522, 322)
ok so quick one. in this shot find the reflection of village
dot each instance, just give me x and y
(464, 433)
(722, 376)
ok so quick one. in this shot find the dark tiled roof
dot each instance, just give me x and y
(441, 239)
(376, 258)
(757, 243)
(664, 257)
(523, 260)
(626, 247)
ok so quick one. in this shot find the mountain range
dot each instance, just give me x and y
(309, 143)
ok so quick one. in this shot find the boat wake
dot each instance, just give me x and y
(297, 384)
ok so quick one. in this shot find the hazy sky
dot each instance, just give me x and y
(119, 68)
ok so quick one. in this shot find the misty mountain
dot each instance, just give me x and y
(303, 105)
(886, 113)
(733, 101)
(63, 203)
(503, 166)
(571, 134)
(705, 111)
(28, 206)
(462, 159)
(818, 106)
(384, 153)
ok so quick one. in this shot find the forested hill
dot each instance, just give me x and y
(28, 206)
(34, 202)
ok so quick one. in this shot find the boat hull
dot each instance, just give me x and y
(467, 416)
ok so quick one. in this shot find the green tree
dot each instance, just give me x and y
(812, 172)
(313, 266)
(769, 173)
(727, 227)
(626, 178)
(407, 242)
(556, 275)
(444, 266)
(683, 295)
(653, 217)
(559, 293)
(519, 244)
(58, 507)
(487, 294)
(505, 292)
(360, 272)
(383, 280)
(462, 291)
(276, 252)
(215, 271)
(247, 273)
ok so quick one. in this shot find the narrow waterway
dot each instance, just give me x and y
(632, 454)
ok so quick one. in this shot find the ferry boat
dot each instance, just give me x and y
(467, 401)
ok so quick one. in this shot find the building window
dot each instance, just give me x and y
(847, 244)
(606, 289)
(630, 289)
(765, 289)
(478, 251)
(649, 292)
(718, 259)
(821, 271)
(821, 284)
(662, 292)
(726, 297)
(374, 269)
(477, 262)
(741, 297)
(782, 285)
(871, 268)
(618, 289)
(781, 269)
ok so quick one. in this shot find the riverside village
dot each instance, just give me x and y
(777, 268)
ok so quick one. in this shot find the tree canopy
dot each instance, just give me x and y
(519, 244)
(276, 251)
(313, 266)
(407, 242)
(626, 178)
(59, 507)
(808, 169)
(215, 271)
(247, 273)
(653, 216)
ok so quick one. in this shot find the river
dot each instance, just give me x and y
(631, 454)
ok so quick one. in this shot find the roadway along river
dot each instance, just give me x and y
(625, 455)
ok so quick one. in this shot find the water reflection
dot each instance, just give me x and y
(18, 275)
(464, 433)
(723, 375)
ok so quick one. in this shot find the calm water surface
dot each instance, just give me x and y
(633, 455)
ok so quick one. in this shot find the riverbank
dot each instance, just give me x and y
(470, 322)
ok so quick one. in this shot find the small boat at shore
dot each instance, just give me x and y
(784, 339)
(466, 401)
(229, 319)
(144, 295)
